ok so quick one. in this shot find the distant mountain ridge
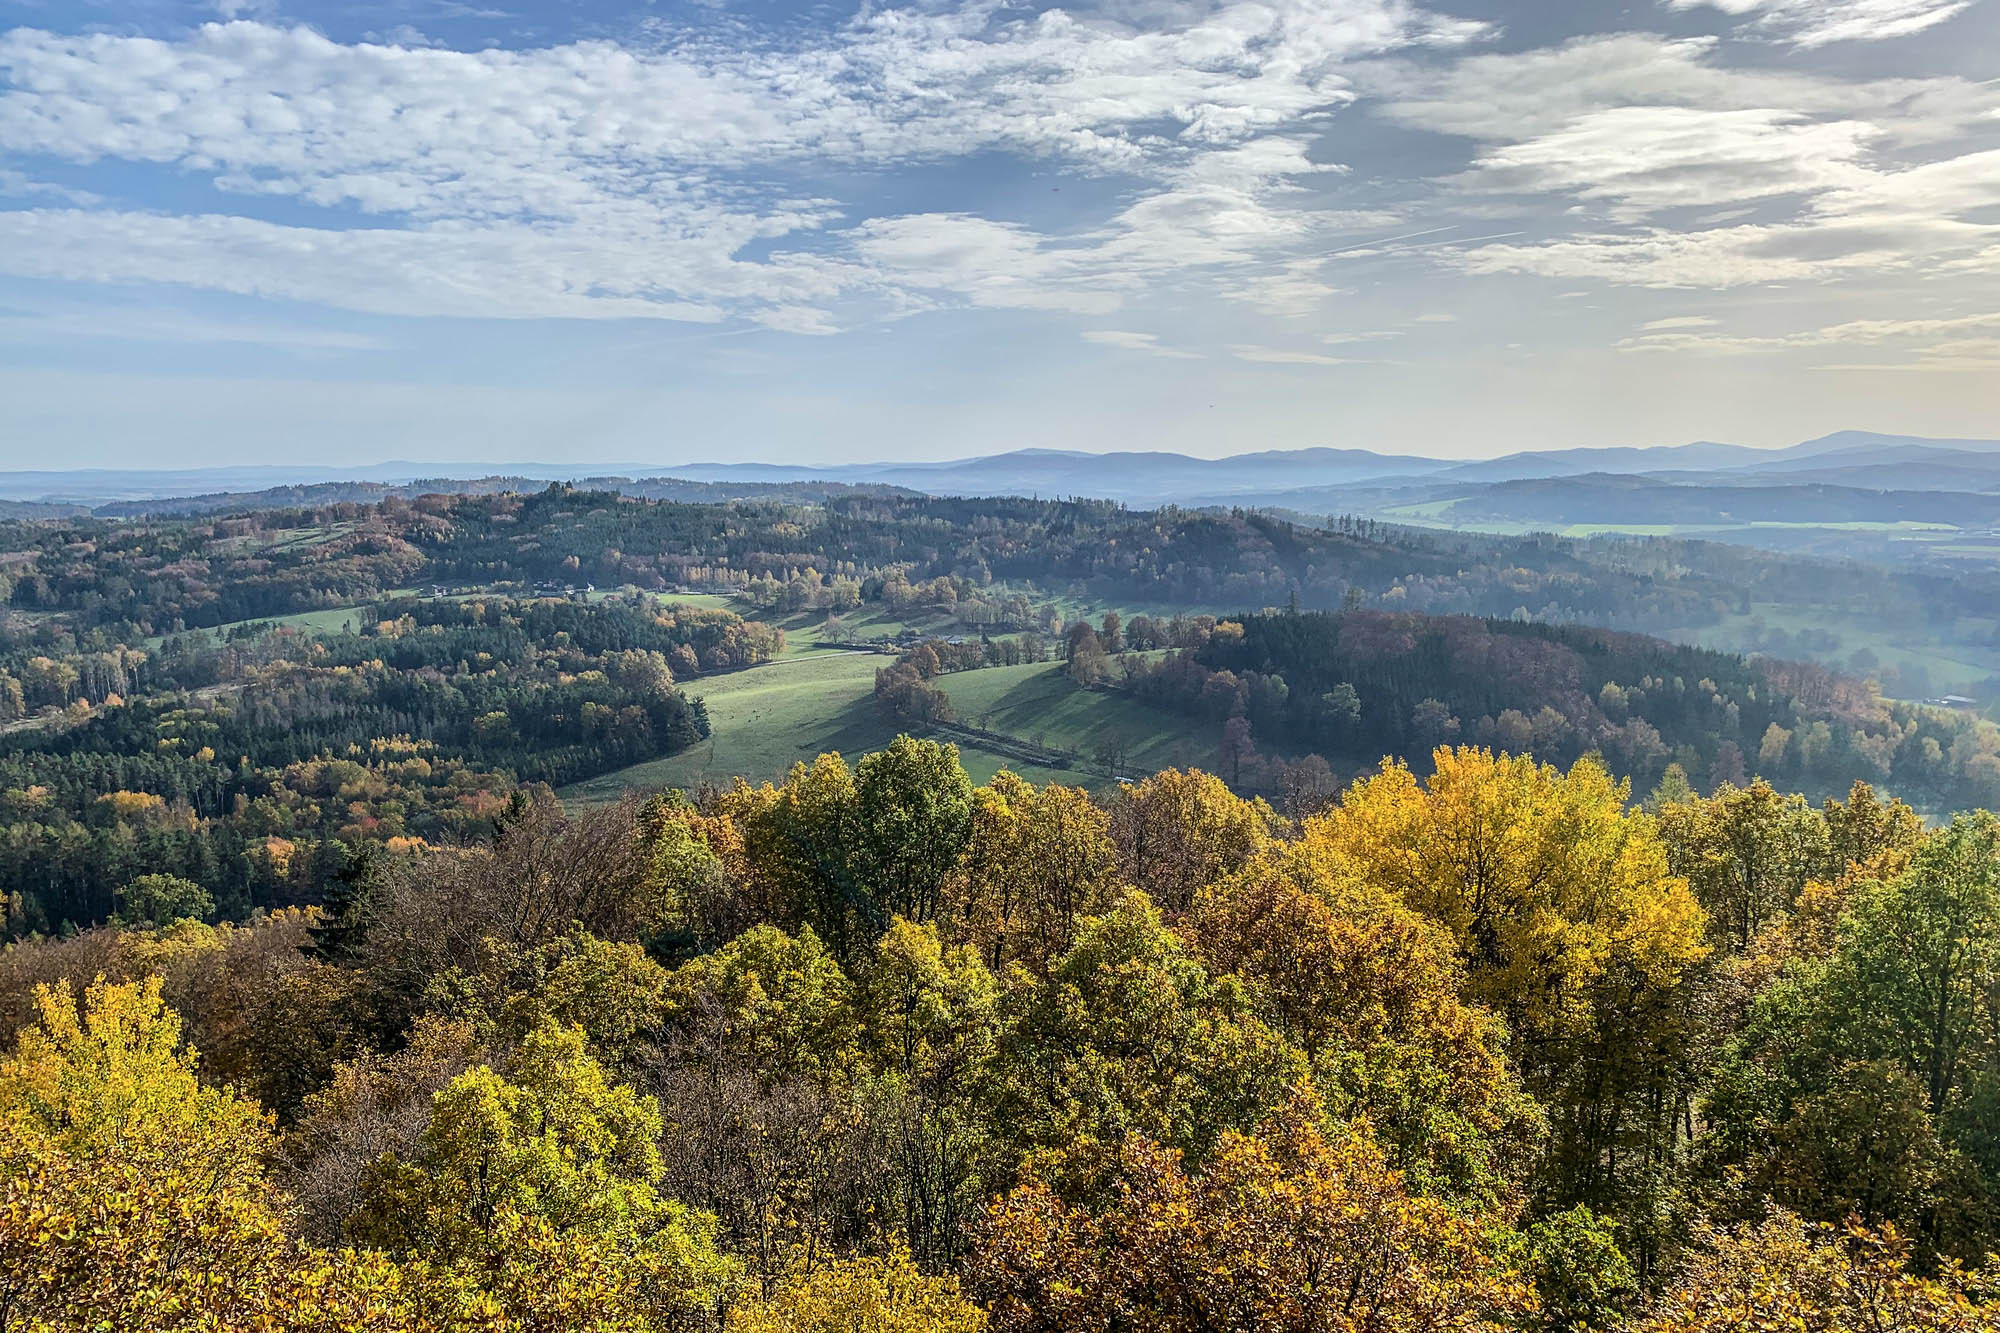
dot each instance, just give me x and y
(1305, 478)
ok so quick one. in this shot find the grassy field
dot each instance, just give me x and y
(764, 720)
(329, 621)
(1039, 702)
(770, 717)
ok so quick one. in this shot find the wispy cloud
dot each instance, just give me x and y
(1811, 23)
(1285, 356)
(1130, 341)
(1944, 336)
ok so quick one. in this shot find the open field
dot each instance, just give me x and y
(767, 718)
(332, 620)
(1040, 703)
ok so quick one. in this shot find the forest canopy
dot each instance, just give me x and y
(1492, 1046)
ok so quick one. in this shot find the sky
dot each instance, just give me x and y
(293, 231)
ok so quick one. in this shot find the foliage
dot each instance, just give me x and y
(1129, 1034)
(552, 1141)
(1461, 1050)
(1864, 1079)
(1286, 1229)
(1782, 1274)
(861, 1295)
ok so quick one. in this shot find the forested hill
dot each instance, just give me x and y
(157, 576)
(1364, 684)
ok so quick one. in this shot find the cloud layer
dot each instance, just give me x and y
(1223, 181)
(600, 179)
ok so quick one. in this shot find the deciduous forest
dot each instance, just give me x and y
(1642, 987)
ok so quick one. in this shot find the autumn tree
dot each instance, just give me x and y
(109, 1080)
(1286, 1229)
(929, 1020)
(861, 1294)
(1177, 831)
(1038, 861)
(1572, 928)
(1129, 1033)
(1746, 854)
(1372, 992)
(133, 1196)
(1780, 1273)
(551, 1140)
(802, 834)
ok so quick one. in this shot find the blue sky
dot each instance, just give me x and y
(278, 231)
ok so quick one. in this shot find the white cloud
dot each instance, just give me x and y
(1126, 340)
(1641, 160)
(1842, 177)
(1723, 257)
(1677, 322)
(987, 263)
(625, 182)
(488, 272)
(1284, 356)
(1667, 336)
(20, 185)
(1519, 95)
(1820, 22)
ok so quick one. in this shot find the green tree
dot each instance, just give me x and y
(1747, 854)
(913, 810)
(778, 1003)
(1866, 1080)
(1131, 1034)
(552, 1141)
(929, 1019)
(161, 900)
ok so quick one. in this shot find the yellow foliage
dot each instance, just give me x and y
(1285, 1231)
(1545, 879)
(861, 1295)
(1178, 831)
(1782, 1276)
(112, 1081)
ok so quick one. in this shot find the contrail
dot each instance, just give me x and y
(1466, 240)
(1390, 240)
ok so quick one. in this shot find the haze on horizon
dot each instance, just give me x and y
(253, 231)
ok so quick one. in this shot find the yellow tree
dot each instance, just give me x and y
(110, 1081)
(1784, 1276)
(132, 1196)
(1284, 1231)
(1571, 926)
(1038, 861)
(1372, 991)
(861, 1295)
(552, 1140)
(1178, 831)
(1545, 879)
